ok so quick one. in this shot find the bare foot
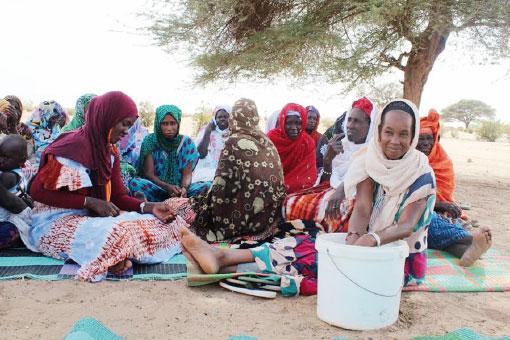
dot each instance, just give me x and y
(207, 256)
(120, 267)
(191, 259)
(482, 241)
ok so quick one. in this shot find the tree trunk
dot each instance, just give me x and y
(420, 62)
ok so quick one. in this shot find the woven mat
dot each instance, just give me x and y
(444, 274)
(21, 263)
(90, 329)
(461, 334)
(491, 274)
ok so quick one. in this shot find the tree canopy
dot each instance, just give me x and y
(352, 41)
(467, 111)
(381, 94)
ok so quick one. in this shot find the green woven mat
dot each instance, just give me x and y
(90, 329)
(461, 334)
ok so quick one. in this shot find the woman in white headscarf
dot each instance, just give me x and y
(394, 186)
(272, 121)
(210, 142)
(323, 203)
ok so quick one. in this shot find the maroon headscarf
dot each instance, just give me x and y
(90, 145)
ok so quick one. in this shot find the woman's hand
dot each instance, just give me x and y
(334, 147)
(335, 200)
(366, 240)
(101, 208)
(173, 190)
(161, 211)
(184, 192)
(351, 238)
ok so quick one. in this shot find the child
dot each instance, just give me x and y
(15, 204)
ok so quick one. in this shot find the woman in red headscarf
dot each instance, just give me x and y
(446, 231)
(324, 203)
(80, 199)
(295, 147)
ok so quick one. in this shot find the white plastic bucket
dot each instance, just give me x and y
(359, 287)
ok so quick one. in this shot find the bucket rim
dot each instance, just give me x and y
(323, 243)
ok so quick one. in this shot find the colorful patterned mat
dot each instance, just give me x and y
(491, 274)
(18, 263)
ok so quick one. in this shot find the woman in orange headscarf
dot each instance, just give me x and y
(438, 158)
(446, 231)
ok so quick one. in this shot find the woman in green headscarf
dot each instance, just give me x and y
(79, 113)
(167, 160)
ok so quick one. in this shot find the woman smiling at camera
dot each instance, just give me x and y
(80, 199)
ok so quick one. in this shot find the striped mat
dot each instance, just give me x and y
(444, 274)
(491, 274)
(19, 263)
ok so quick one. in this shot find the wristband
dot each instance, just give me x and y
(376, 238)
(142, 205)
(327, 173)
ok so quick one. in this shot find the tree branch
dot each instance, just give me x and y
(394, 62)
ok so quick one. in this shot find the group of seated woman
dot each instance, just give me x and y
(253, 188)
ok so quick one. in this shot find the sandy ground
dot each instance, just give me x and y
(170, 310)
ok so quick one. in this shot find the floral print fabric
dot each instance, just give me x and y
(248, 189)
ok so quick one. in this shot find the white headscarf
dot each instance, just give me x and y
(395, 176)
(272, 120)
(206, 167)
(227, 109)
(342, 161)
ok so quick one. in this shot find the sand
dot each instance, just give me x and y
(170, 310)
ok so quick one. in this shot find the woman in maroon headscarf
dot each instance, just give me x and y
(80, 199)
(295, 147)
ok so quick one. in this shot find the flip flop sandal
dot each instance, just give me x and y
(254, 285)
(258, 280)
(253, 292)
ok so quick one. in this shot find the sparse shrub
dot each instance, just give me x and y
(147, 114)
(454, 133)
(490, 130)
(326, 123)
(200, 119)
(506, 128)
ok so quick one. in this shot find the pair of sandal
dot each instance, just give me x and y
(253, 286)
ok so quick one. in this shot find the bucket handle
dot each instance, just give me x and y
(360, 286)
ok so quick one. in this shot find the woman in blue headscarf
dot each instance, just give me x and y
(44, 125)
